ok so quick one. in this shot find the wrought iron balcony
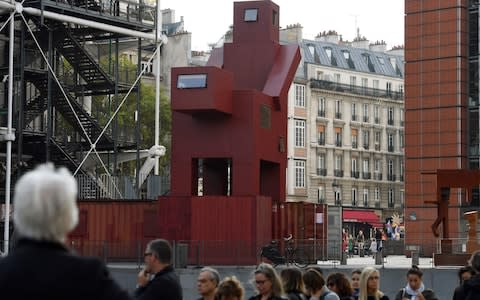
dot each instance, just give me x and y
(338, 173)
(390, 122)
(357, 90)
(377, 176)
(321, 141)
(321, 172)
(366, 175)
(354, 174)
(321, 113)
(354, 117)
(366, 146)
(391, 177)
(391, 148)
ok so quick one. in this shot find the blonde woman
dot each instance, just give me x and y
(370, 285)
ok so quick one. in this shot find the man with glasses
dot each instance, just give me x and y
(207, 283)
(158, 279)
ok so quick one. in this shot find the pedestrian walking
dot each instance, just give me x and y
(356, 282)
(339, 283)
(207, 283)
(158, 281)
(316, 288)
(373, 248)
(470, 289)
(267, 283)
(360, 242)
(415, 289)
(230, 288)
(464, 274)
(370, 285)
(41, 266)
(293, 283)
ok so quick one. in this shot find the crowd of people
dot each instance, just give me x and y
(42, 267)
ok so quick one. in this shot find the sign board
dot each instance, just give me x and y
(319, 218)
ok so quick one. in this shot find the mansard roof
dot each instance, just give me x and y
(361, 60)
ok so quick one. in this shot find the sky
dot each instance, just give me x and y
(208, 20)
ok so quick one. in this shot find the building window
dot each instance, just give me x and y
(192, 81)
(402, 170)
(389, 88)
(354, 138)
(391, 171)
(337, 78)
(353, 81)
(338, 172)
(337, 193)
(391, 198)
(338, 136)
(321, 138)
(321, 168)
(366, 165)
(366, 139)
(321, 194)
(400, 88)
(300, 133)
(391, 144)
(391, 112)
(251, 15)
(365, 197)
(299, 173)
(364, 83)
(338, 109)
(365, 112)
(354, 196)
(321, 107)
(299, 95)
(376, 114)
(401, 138)
(402, 112)
(354, 111)
(377, 194)
(354, 173)
(377, 140)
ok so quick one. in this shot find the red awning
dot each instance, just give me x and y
(362, 216)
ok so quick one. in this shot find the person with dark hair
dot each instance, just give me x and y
(268, 283)
(315, 286)
(356, 282)
(207, 283)
(415, 288)
(293, 283)
(464, 274)
(470, 289)
(41, 266)
(230, 289)
(339, 283)
(158, 279)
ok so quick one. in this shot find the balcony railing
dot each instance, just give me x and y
(391, 148)
(321, 141)
(365, 118)
(358, 90)
(338, 115)
(390, 122)
(338, 143)
(321, 172)
(354, 117)
(366, 146)
(338, 173)
(391, 177)
(366, 175)
(377, 176)
(354, 174)
(354, 145)
(377, 147)
(321, 113)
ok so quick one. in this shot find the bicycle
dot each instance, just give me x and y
(293, 255)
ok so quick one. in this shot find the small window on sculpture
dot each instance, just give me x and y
(251, 15)
(193, 81)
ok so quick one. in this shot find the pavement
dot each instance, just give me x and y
(390, 261)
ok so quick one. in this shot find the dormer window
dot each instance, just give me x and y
(251, 15)
(348, 58)
(330, 56)
(193, 81)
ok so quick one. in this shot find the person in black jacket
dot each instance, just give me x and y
(41, 267)
(158, 279)
(470, 289)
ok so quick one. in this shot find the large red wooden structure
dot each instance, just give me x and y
(229, 134)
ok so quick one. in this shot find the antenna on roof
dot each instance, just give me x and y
(357, 29)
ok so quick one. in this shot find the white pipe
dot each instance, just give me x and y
(88, 23)
(157, 84)
(9, 136)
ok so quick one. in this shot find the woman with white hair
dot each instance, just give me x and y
(40, 266)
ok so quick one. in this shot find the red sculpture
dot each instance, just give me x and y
(229, 136)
